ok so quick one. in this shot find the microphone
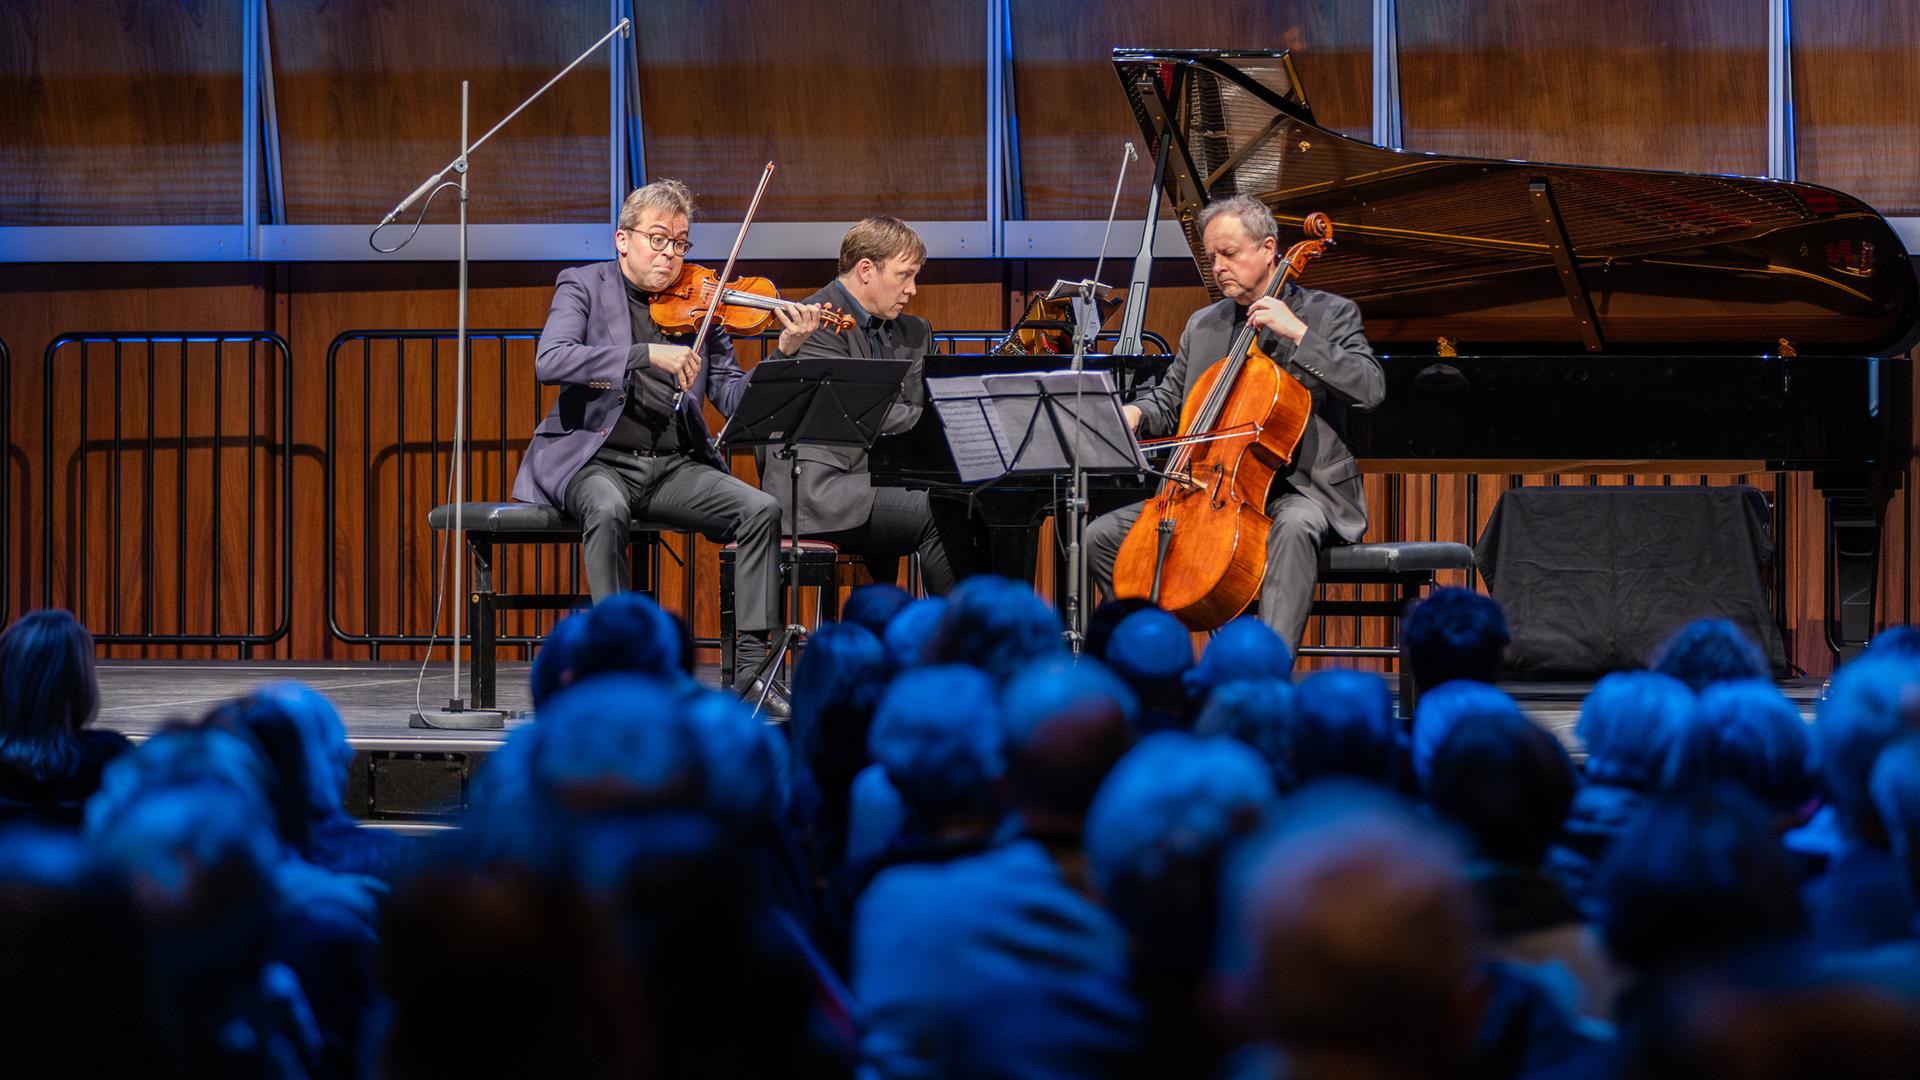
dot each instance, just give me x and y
(410, 200)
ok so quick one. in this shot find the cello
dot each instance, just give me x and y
(1199, 547)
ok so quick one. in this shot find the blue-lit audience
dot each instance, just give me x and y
(1707, 651)
(972, 854)
(50, 758)
(1454, 634)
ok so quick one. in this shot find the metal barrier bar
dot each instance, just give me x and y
(6, 485)
(110, 627)
(370, 349)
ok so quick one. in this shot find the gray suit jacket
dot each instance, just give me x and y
(1333, 361)
(835, 492)
(584, 350)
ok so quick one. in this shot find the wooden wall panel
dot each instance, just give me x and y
(867, 106)
(1074, 117)
(313, 303)
(120, 113)
(1856, 98)
(1658, 84)
(37, 303)
(369, 104)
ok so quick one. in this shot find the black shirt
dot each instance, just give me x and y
(649, 422)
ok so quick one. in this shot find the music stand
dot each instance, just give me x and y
(811, 400)
(1046, 423)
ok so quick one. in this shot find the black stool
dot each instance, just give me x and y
(491, 524)
(820, 563)
(1408, 567)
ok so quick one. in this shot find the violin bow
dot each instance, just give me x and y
(726, 272)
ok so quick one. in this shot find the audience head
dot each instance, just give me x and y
(617, 742)
(1708, 651)
(1507, 783)
(1697, 878)
(996, 625)
(1895, 793)
(1104, 620)
(324, 739)
(47, 692)
(1259, 714)
(1446, 706)
(1066, 725)
(553, 664)
(909, 631)
(1157, 832)
(835, 690)
(1872, 701)
(1454, 634)
(1629, 723)
(1345, 727)
(1898, 640)
(281, 745)
(1355, 910)
(1153, 651)
(937, 736)
(1245, 648)
(745, 761)
(180, 757)
(1746, 733)
(628, 633)
(872, 607)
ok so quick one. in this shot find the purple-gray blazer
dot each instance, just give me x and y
(584, 350)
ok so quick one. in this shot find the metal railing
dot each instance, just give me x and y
(192, 374)
(6, 488)
(387, 466)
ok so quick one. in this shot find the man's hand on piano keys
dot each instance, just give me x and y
(1271, 313)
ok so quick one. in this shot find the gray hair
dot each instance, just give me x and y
(1253, 214)
(670, 197)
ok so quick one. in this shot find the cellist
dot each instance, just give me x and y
(1315, 337)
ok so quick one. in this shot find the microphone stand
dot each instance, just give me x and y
(1086, 326)
(457, 715)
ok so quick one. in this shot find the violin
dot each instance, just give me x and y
(1199, 548)
(746, 304)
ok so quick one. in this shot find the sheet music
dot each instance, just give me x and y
(973, 427)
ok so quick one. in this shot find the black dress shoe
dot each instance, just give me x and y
(749, 653)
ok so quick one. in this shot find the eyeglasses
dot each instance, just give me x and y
(661, 242)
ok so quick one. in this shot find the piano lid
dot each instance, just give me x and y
(1504, 254)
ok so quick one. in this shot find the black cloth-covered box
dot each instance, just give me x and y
(1593, 578)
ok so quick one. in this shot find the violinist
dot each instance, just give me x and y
(880, 259)
(1316, 338)
(623, 443)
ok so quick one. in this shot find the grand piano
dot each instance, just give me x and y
(1537, 318)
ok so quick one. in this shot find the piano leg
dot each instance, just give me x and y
(1856, 508)
(1011, 551)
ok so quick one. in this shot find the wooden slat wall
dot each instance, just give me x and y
(868, 106)
(1074, 117)
(1857, 98)
(119, 113)
(310, 304)
(1661, 84)
(368, 95)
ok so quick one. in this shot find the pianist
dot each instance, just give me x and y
(879, 260)
(1315, 337)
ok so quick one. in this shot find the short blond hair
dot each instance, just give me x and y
(880, 238)
(670, 197)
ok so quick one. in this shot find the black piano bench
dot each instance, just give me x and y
(1408, 567)
(491, 524)
(820, 563)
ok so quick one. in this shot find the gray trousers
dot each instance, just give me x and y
(615, 490)
(1300, 530)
